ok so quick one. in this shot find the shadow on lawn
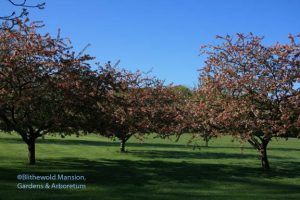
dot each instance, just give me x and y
(190, 154)
(93, 143)
(269, 148)
(131, 144)
(129, 179)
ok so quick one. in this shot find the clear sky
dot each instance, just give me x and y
(162, 35)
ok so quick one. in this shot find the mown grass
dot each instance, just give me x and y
(156, 169)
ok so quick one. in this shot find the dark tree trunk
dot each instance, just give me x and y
(264, 158)
(31, 152)
(206, 141)
(262, 149)
(122, 145)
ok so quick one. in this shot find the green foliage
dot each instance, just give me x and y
(184, 91)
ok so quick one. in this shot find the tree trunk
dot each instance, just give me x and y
(122, 145)
(264, 158)
(262, 149)
(31, 152)
(206, 141)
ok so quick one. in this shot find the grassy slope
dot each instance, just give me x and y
(157, 169)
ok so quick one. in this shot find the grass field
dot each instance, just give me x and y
(155, 169)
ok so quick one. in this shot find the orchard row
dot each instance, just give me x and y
(245, 89)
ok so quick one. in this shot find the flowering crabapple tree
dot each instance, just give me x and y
(200, 120)
(167, 110)
(251, 90)
(38, 75)
(135, 104)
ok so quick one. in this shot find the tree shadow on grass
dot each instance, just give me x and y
(174, 154)
(129, 179)
(269, 148)
(92, 143)
(153, 153)
(62, 141)
(189, 154)
(168, 171)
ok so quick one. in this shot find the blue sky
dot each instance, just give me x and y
(162, 35)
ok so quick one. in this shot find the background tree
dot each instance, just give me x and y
(183, 91)
(37, 76)
(199, 118)
(168, 110)
(252, 91)
(124, 111)
(132, 104)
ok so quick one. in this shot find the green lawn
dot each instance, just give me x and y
(155, 169)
